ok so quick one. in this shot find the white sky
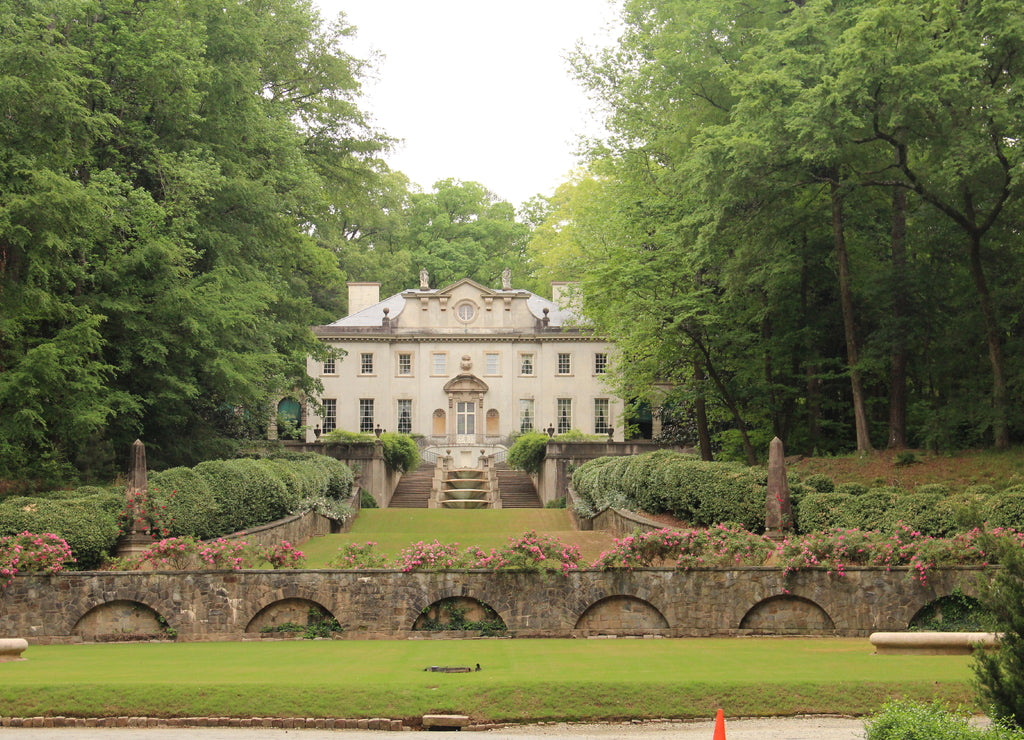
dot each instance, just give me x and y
(479, 89)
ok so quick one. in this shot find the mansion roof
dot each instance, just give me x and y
(464, 308)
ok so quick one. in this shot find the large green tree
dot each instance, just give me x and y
(164, 169)
(789, 177)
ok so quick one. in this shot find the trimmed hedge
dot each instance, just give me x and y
(88, 524)
(527, 452)
(213, 499)
(702, 493)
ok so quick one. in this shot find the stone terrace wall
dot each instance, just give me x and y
(228, 605)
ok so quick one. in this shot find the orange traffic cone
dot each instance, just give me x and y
(719, 726)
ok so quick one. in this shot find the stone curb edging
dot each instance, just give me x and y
(297, 723)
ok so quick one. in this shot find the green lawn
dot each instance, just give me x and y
(521, 679)
(394, 529)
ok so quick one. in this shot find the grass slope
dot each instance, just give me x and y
(395, 529)
(521, 680)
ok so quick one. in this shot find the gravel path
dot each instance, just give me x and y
(799, 728)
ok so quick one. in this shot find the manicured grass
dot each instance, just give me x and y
(521, 680)
(395, 529)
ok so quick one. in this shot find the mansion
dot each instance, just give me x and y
(462, 365)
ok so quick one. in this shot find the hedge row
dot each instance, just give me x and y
(929, 509)
(708, 493)
(699, 492)
(212, 499)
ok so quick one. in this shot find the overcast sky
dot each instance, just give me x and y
(479, 89)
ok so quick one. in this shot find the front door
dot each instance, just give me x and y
(465, 422)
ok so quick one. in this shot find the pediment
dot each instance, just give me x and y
(465, 383)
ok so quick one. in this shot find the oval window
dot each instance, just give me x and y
(465, 311)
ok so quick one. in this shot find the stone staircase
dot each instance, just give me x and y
(517, 489)
(413, 491)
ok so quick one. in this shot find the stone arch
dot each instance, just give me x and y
(120, 620)
(493, 598)
(439, 423)
(956, 612)
(459, 613)
(291, 611)
(786, 614)
(621, 613)
(265, 597)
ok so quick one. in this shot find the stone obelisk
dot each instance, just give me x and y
(133, 541)
(779, 510)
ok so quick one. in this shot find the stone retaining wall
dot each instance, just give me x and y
(384, 604)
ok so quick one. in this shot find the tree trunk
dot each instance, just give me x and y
(846, 303)
(728, 400)
(700, 407)
(1000, 427)
(898, 366)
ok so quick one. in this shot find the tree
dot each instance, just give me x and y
(1000, 674)
(163, 167)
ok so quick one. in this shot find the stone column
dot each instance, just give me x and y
(779, 510)
(133, 541)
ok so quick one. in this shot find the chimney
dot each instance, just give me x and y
(362, 295)
(561, 293)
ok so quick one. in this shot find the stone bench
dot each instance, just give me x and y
(932, 643)
(11, 648)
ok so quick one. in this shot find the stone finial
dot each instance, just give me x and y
(779, 509)
(134, 541)
(506, 279)
(424, 280)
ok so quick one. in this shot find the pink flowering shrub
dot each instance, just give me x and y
(32, 553)
(527, 552)
(283, 555)
(430, 556)
(144, 514)
(718, 546)
(222, 554)
(171, 553)
(358, 557)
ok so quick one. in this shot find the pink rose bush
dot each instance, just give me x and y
(32, 553)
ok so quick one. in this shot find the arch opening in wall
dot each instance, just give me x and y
(438, 424)
(294, 616)
(122, 620)
(955, 612)
(787, 615)
(460, 613)
(621, 615)
(493, 422)
(289, 419)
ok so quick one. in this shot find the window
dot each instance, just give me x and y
(465, 311)
(491, 364)
(365, 414)
(600, 363)
(526, 417)
(366, 363)
(564, 363)
(602, 423)
(329, 368)
(404, 363)
(526, 363)
(563, 415)
(330, 415)
(440, 363)
(405, 416)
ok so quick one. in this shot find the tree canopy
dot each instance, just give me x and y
(810, 214)
(165, 169)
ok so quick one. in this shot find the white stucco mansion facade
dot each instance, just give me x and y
(462, 365)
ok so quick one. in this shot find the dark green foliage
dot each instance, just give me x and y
(956, 612)
(703, 493)
(558, 503)
(1006, 508)
(820, 482)
(193, 509)
(869, 510)
(851, 489)
(167, 171)
(905, 720)
(820, 511)
(1000, 674)
(338, 476)
(923, 512)
(527, 452)
(401, 453)
(366, 500)
(87, 524)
